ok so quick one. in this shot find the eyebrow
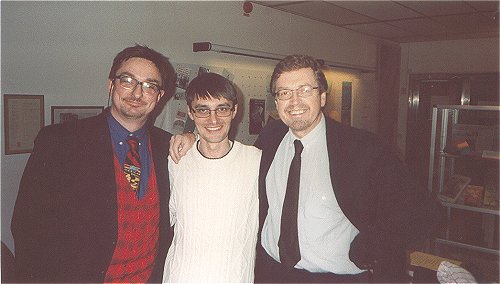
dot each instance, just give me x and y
(298, 87)
(206, 106)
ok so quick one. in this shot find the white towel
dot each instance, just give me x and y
(452, 273)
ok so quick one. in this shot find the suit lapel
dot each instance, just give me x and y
(338, 153)
(270, 151)
(96, 157)
(334, 154)
(271, 143)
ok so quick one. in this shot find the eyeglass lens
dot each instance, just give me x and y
(130, 83)
(205, 112)
(303, 91)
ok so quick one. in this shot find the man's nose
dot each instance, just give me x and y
(137, 91)
(295, 97)
(213, 116)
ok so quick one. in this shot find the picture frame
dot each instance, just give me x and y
(24, 116)
(256, 116)
(61, 114)
(345, 115)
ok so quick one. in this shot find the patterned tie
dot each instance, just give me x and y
(132, 166)
(289, 237)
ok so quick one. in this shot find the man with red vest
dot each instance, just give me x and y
(93, 200)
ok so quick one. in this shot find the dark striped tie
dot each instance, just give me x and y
(132, 165)
(289, 236)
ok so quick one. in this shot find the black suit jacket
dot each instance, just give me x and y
(375, 191)
(65, 218)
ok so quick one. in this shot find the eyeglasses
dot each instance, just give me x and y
(304, 92)
(129, 83)
(222, 111)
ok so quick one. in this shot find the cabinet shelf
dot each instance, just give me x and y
(485, 210)
(467, 246)
(474, 156)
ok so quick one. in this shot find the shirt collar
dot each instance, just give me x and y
(120, 133)
(312, 136)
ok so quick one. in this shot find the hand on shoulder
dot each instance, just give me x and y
(180, 144)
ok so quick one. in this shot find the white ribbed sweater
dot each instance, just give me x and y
(214, 210)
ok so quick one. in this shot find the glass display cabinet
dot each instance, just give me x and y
(464, 174)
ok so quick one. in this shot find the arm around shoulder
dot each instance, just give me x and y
(180, 144)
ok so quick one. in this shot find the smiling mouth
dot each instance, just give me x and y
(214, 128)
(297, 112)
(134, 102)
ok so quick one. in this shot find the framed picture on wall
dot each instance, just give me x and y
(346, 103)
(257, 111)
(23, 118)
(61, 114)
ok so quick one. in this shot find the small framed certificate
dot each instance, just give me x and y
(61, 114)
(23, 118)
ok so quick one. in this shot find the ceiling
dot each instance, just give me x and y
(402, 21)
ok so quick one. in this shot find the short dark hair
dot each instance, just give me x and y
(209, 85)
(141, 51)
(296, 62)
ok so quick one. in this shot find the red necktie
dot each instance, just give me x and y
(289, 237)
(132, 166)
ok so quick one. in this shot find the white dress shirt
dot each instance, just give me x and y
(325, 233)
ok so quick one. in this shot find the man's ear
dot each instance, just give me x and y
(190, 114)
(323, 99)
(110, 86)
(162, 92)
(235, 111)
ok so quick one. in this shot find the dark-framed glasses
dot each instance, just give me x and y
(303, 91)
(129, 83)
(221, 111)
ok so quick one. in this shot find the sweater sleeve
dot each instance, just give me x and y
(172, 205)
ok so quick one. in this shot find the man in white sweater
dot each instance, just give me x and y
(214, 200)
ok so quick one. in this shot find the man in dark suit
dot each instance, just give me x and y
(357, 209)
(358, 206)
(93, 200)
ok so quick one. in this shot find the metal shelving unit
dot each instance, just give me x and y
(444, 118)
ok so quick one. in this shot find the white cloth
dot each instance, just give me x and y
(451, 273)
(214, 210)
(325, 233)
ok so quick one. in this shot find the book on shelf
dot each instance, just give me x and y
(458, 147)
(487, 154)
(453, 188)
(490, 198)
(465, 133)
(473, 195)
(429, 261)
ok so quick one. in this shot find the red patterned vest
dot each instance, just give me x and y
(138, 230)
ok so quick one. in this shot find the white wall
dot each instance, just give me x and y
(364, 110)
(63, 50)
(454, 56)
